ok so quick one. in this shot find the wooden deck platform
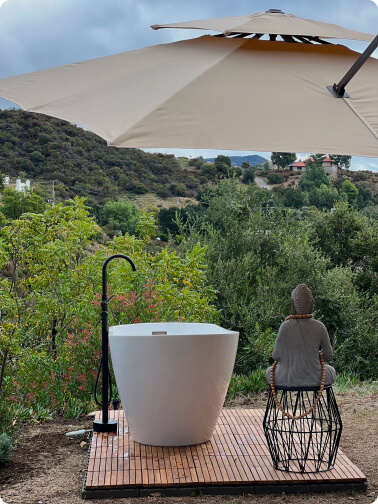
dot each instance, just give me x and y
(235, 461)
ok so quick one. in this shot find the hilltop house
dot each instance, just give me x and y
(329, 166)
(298, 166)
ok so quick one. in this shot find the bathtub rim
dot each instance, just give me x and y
(115, 331)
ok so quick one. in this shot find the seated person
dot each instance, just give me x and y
(298, 343)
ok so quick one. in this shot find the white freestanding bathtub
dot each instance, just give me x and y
(172, 378)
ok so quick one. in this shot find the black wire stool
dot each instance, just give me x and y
(308, 444)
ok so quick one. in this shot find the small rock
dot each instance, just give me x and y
(156, 494)
(83, 444)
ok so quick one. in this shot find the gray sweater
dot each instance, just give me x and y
(297, 354)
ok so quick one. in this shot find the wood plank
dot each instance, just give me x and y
(197, 464)
(236, 455)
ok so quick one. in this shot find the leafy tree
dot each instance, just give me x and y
(209, 171)
(365, 195)
(122, 215)
(334, 233)
(36, 157)
(323, 197)
(222, 164)
(168, 220)
(197, 162)
(294, 198)
(145, 226)
(51, 296)
(283, 159)
(349, 191)
(249, 175)
(342, 161)
(314, 176)
(265, 168)
(17, 203)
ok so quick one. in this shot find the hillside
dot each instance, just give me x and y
(253, 160)
(45, 149)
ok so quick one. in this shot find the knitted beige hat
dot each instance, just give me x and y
(302, 301)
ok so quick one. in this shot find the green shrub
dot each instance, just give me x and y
(275, 178)
(249, 175)
(6, 448)
(163, 237)
(253, 383)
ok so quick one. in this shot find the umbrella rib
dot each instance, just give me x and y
(362, 118)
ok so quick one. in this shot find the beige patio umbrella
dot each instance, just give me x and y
(214, 93)
(273, 22)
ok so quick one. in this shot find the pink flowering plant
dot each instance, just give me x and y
(52, 335)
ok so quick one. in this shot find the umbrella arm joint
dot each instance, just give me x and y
(338, 90)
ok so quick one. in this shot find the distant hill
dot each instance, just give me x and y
(253, 160)
(45, 149)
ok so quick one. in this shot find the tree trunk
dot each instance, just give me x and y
(3, 364)
(54, 332)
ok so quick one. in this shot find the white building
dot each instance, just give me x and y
(6, 180)
(22, 186)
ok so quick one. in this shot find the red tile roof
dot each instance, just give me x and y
(298, 163)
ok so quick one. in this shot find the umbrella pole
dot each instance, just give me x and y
(104, 424)
(338, 90)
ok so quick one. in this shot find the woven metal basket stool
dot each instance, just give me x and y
(307, 444)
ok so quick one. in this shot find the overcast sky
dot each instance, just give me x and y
(38, 34)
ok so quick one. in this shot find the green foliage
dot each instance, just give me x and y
(50, 336)
(6, 449)
(349, 191)
(48, 149)
(342, 161)
(313, 177)
(163, 237)
(253, 383)
(323, 197)
(294, 198)
(275, 178)
(257, 253)
(121, 215)
(167, 220)
(222, 164)
(265, 169)
(15, 203)
(145, 226)
(365, 195)
(249, 175)
(283, 159)
(3, 219)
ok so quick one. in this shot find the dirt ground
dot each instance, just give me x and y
(48, 467)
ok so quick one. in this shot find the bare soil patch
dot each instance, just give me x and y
(48, 467)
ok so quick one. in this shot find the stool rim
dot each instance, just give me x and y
(302, 389)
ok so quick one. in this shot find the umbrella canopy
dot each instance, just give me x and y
(214, 93)
(274, 22)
